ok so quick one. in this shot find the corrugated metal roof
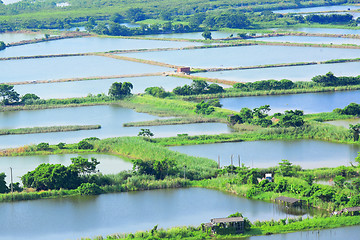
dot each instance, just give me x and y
(227, 220)
(287, 199)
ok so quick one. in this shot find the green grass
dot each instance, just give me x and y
(48, 129)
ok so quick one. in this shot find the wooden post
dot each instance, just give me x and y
(231, 159)
(12, 189)
(239, 160)
(218, 161)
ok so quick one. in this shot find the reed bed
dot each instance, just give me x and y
(67, 128)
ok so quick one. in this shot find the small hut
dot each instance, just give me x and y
(351, 211)
(226, 225)
(288, 201)
(183, 70)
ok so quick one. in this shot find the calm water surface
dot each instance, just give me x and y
(17, 37)
(308, 102)
(89, 44)
(246, 55)
(72, 218)
(309, 39)
(109, 164)
(83, 88)
(319, 9)
(345, 123)
(306, 153)
(70, 67)
(322, 30)
(111, 118)
(328, 234)
(295, 73)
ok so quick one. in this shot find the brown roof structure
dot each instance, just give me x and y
(227, 220)
(351, 209)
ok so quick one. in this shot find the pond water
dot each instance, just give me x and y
(75, 217)
(111, 118)
(109, 164)
(319, 9)
(71, 67)
(246, 55)
(17, 37)
(321, 30)
(354, 14)
(294, 73)
(308, 102)
(308, 39)
(83, 88)
(6, 2)
(193, 35)
(345, 123)
(328, 234)
(306, 153)
(89, 44)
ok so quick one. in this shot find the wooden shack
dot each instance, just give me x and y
(183, 70)
(351, 211)
(288, 201)
(226, 225)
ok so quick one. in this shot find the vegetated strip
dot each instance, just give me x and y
(173, 121)
(351, 46)
(45, 56)
(277, 34)
(32, 130)
(88, 78)
(65, 36)
(136, 60)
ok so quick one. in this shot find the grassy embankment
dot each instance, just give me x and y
(266, 228)
(68, 128)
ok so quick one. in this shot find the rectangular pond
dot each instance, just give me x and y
(10, 37)
(319, 9)
(70, 67)
(308, 102)
(89, 44)
(111, 118)
(109, 164)
(193, 35)
(246, 55)
(83, 88)
(76, 217)
(262, 154)
(321, 30)
(345, 122)
(293, 73)
(310, 39)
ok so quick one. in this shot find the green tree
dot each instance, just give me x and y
(286, 168)
(157, 92)
(42, 146)
(204, 108)
(135, 14)
(89, 189)
(355, 129)
(8, 95)
(3, 187)
(83, 166)
(206, 35)
(145, 132)
(339, 181)
(2, 45)
(83, 144)
(51, 176)
(119, 90)
(29, 98)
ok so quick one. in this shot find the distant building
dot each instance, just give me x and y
(183, 69)
(268, 176)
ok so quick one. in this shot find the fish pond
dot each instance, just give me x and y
(110, 117)
(10, 37)
(321, 30)
(76, 217)
(246, 55)
(89, 44)
(308, 102)
(71, 67)
(310, 39)
(83, 88)
(293, 73)
(306, 153)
